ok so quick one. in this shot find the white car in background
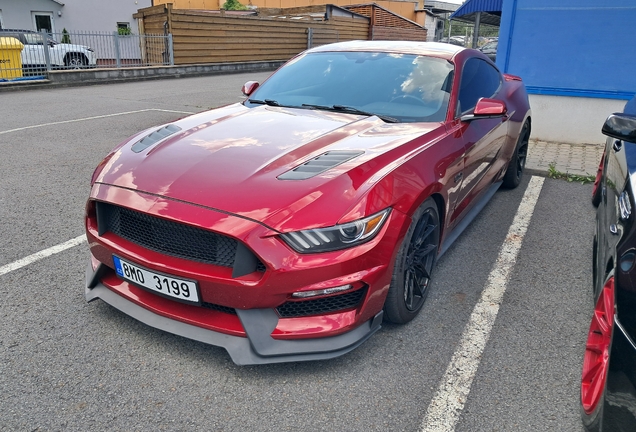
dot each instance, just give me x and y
(62, 55)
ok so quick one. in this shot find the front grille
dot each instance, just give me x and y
(294, 309)
(168, 237)
(219, 308)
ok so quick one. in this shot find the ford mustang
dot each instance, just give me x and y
(289, 226)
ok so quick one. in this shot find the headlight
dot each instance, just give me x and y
(336, 237)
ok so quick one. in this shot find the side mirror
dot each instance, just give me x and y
(486, 108)
(620, 126)
(249, 87)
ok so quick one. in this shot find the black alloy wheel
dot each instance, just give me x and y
(514, 173)
(76, 61)
(414, 265)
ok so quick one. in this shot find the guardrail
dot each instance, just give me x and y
(27, 54)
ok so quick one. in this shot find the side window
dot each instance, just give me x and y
(479, 79)
(1, 26)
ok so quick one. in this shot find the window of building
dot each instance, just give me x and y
(123, 28)
(43, 21)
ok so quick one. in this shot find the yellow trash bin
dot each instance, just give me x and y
(10, 59)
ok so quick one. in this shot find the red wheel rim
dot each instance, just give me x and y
(599, 174)
(596, 360)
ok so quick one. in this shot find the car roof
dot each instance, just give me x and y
(433, 49)
(17, 31)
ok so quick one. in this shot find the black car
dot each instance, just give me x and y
(490, 49)
(608, 383)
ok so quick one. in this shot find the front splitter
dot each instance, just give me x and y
(257, 348)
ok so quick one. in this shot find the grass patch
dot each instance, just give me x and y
(556, 174)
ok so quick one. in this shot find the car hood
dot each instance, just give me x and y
(229, 159)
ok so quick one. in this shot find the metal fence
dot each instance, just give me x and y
(319, 36)
(29, 54)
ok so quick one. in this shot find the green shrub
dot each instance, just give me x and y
(233, 5)
(66, 38)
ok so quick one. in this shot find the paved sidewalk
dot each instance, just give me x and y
(581, 159)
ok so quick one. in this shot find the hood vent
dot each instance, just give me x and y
(155, 137)
(319, 164)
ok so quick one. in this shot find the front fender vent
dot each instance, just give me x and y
(155, 137)
(319, 164)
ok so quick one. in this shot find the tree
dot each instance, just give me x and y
(66, 38)
(233, 5)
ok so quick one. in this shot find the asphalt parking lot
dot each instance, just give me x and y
(69, 365)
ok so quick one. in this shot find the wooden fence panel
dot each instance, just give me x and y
(393, 33)
(202, 37)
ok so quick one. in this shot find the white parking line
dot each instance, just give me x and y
(92, 118)
(448, 403)
(42, 254)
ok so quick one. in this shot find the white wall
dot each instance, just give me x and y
(75, 15)
(429, 23)
(99, 15)
(17, 14)
(573, 120)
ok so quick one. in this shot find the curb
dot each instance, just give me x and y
(536, 171)
(72, 78)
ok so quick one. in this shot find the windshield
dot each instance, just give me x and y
(404, 87)
(36, 39)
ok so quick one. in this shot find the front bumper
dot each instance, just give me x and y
(258, 347)
(619, 411)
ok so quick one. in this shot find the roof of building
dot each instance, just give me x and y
(440, 7)
(389, 18)
(490, 11)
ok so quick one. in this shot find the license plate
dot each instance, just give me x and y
(181, 289)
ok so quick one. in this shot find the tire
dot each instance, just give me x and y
(596, 360)
(75, 61)
(514, 173)
(597, 190)
(414, 264)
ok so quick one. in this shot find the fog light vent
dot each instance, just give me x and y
(627, 261)
(321, 306)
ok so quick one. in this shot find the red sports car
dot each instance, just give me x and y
(288, 226)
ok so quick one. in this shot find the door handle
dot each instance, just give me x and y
(618, 144)
(458, 177)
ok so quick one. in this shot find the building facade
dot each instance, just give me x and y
(577, 60)
(73, 15)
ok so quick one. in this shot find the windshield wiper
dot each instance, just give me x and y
(352, 110)
(269, 102)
